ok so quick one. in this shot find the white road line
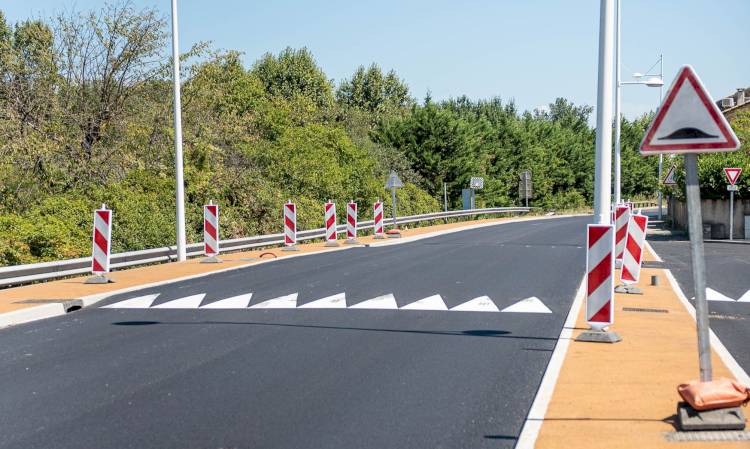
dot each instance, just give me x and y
(282, 302)
(337, 301)
(713, 295)
(188, 302)
(434, 302)
(381, 302)
(535, 418)
(528, 305)
(480, 304)
(141, 302)
(235, 302)
(716, 344)
(745, 297)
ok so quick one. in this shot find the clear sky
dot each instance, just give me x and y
(528, 50)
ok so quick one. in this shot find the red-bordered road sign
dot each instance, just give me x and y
(669, 180)
(688, 121)
(733, 174)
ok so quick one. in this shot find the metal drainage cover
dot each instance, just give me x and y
(644, 309)
(714, 435)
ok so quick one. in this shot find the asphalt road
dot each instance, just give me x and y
(728, 273)
(306, 378)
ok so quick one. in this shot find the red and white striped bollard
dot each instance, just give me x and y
(101, 246)
(330, 222)
(290, 227)
(377, 214)
(351, 223)
(622, 216)
(633, 256)
(211, 233)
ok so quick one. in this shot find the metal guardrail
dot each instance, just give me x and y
(24, 274)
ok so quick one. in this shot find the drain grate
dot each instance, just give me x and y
(644, 309)
(713, 435)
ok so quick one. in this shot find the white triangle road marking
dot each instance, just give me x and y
(282, 302)
(745, 297)
(235, 302)
(337, 301)
(381, 302)
(141, 302)
(188, 302)
(713, 295)
(528, 305)
(434, 302)
(480, 304)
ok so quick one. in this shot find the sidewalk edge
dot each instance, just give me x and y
(535, 418)
(31, 314)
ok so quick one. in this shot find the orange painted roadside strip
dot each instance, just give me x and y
(624, 395)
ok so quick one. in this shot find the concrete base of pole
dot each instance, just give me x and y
(378, 237)
(599, 336)
(99, 279)
(352, 242)
(290, 248)
(689, 418)
(212, 259)
(628, 289)
(332, 244)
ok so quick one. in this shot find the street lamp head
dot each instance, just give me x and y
(654, 81)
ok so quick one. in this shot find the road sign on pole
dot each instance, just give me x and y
(689, 122)
(670, 180)
(393, 183)
(525, 186)
(733, 174)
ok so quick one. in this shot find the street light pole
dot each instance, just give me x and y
(180, 184)
(661, 156)
(603, 159)
(618, 113)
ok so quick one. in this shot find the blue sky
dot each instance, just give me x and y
(528, 50)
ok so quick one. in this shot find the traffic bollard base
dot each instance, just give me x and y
(290, 248)
(595, 336)
(690, 419)
(628, 289)
(352, 242)
(212, 259)
(332, 244)
(379, 237)
(99, 279)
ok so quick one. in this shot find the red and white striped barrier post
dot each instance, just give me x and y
(330, 222)
(211, 233)
(377, 214)
(351, 223)
(101, 246)
(600, 285)
(290, 227)
(633, 257)
(622, 216)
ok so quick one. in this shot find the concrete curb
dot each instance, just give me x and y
(31, 314)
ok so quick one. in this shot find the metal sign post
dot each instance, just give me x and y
(525, 186)
(394, 183)
(689, 122)
(732, 174)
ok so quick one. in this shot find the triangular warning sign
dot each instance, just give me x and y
(733, 174)
(688, 121)
(670, 180)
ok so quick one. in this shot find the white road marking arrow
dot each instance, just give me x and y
(337, 301)
(528, 305)
(282, 302)
(188, 302)
(480, 304)
(434, 302)
(235, 302)
(141, 302)
(713, 295)
(381, 302)
(745, 297)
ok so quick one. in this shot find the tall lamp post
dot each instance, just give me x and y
(180, 184)
(603, 156)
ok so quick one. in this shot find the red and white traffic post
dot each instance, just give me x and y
(622, 217)
(330, 224)
(600, 286)
(211, 233)
(351, 223)
(377, 214)
(633, 254)
(733, 175)
(290, 227)
(101, 246)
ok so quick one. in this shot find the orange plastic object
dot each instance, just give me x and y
(719, 393)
